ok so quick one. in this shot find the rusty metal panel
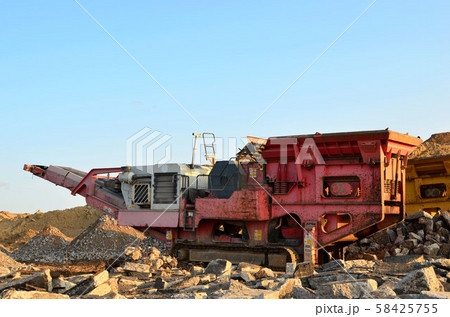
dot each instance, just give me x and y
(242, 205)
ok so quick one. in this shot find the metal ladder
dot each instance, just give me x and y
(210, 157)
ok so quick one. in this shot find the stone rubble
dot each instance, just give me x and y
(419, 234)
(409, 276)
(409, 260)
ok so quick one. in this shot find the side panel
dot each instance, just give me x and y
(154, 219)
(242, 205)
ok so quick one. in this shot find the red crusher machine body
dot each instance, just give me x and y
(278, 200)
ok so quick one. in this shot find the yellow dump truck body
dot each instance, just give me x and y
(427, 185)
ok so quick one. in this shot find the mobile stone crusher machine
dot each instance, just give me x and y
(280, 200)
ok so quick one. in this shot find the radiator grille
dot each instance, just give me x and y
(165, 187)
(141, 194)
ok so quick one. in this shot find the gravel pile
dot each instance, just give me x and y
(46, 247)
(103, 240)
(437, 145)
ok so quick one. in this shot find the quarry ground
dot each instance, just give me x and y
(80, 253)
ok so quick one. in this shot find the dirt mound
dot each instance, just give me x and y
(17, 229)
(6, 261)
(9, 215)
(437, 145)
(103, 240)
(46, 247)
(23, 239)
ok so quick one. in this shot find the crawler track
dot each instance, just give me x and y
(274, 257)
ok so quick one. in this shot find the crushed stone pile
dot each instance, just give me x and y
(419, 234)
(47, 247)
(103, 240)
(7, 261)
(149, 243)
(438, 145)
(17, 229)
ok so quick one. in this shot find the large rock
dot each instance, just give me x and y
(126, 285)
(139, 270)
(393, 268)
(299, 292)
(248, 267)
(335, 265)
(264, 273)
(385, 291)
(417, 281)
(290, 268)
(88, 284)
(349, 289)
(319, 279)
(413, 235)
(190, 282)
(207, 278)
(14, 294)
(60, 285)
(432, 250)
(442, 263)
(446, 216)
(133, 253)
(360, 264)
(231, 285)
(382, 238)
(244, 276)
(160, 283)
(304, 269)
(41, 280)
(409, 243)
(218, 267)
(267, 284)
(286, 286)
(76, 279)
(157, 264)
(435, 295)
(197, 270)
(418, 215)
(101, 290)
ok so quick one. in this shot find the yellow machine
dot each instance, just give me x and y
(428, 176)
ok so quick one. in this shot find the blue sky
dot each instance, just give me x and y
(70, 96)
